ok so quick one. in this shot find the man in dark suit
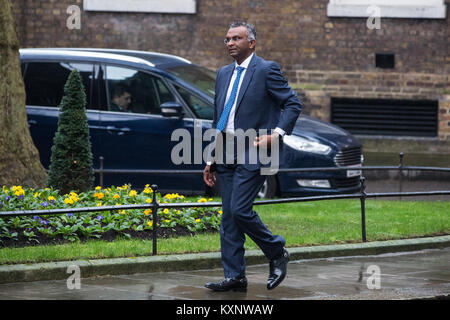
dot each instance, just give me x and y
(251, 94)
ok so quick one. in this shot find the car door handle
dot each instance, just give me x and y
(120, 131)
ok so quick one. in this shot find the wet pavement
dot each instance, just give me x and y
(409, 275)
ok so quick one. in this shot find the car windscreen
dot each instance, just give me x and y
(197, 76)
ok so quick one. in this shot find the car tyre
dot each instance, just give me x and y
(270, 188)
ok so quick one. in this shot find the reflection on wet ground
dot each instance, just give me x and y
(421, 274)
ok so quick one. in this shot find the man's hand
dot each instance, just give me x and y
(266, 141)
(208, 176)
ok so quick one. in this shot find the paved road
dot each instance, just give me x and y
(409, 275)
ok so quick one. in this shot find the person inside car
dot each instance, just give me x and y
(121, 100)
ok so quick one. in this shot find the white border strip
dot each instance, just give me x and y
(418, 9)
(152, 6)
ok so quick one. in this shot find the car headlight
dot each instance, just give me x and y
(302, 144)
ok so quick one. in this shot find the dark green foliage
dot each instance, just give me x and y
(71, 160)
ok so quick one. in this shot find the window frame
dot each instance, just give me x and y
(154, 6)
(414, 9)
(171, 89)
(68, 61)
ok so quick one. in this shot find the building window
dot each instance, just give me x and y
(152, 6)
(418, 9)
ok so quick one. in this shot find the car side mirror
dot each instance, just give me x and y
(172, 109)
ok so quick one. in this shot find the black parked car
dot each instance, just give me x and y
(136, 99)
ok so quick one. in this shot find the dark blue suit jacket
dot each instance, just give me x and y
(265, 100)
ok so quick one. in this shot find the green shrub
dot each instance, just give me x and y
(71, 159)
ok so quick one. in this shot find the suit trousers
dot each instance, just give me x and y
(239, 188)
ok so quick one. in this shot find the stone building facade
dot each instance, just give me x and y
(323, 56)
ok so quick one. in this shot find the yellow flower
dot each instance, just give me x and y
(18, 191)
(148, 190)
(201, 200)
(122, 212)
(51, 198)
(37, 194)
(133, 193)
(210, 199)
(166, 221)
(150, 223)
(166, 211)
(171, 196)
(99, 195)
(197, 220)
(68, 201)
(99, 204)
(178, 212)
(98, 188)
(220, 211)
(147, 212)
(148, 200)
(116, 196)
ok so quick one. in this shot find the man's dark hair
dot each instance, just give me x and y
(251, 30)
(120, 89)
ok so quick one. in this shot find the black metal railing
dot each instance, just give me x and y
(155, 205)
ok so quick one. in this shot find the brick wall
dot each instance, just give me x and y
(444, 117)
(320, 56)
(316, 87)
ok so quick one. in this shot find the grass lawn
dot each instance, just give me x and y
(302, 224)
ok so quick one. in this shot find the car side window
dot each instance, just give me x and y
(44, 82)
(202, 109)
(130, 90)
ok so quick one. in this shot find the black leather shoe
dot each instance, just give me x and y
(278, 268)
(229, 284)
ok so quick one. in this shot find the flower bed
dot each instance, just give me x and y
(107, 225)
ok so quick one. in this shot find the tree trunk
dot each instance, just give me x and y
(19, 158)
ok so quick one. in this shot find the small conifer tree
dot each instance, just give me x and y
(71, 159)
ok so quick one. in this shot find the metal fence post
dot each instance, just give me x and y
(101, 159)
(400, 172)
(155, 206)
(363, 207)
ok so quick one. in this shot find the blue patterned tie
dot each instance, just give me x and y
(226, 111)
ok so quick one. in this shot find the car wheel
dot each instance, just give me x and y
(269, 188)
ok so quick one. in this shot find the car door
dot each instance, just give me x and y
(44, 87)
(135, 134)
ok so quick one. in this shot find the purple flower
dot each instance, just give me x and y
(100, 217)
(44, 222)
(44, 204)
(7, 198)
(70, 214)
(36, 218)
(21, 196)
